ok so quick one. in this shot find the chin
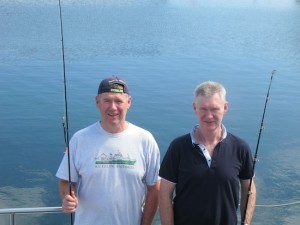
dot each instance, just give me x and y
(212, 126)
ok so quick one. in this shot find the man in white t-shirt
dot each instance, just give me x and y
(113, 165)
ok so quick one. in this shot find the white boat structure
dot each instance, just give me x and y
(13, 212)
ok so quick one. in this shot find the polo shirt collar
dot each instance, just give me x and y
(224, 133)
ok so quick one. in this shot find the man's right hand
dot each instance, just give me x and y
(69, 203)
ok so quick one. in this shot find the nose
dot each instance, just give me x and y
(209, 114)
(113, 105)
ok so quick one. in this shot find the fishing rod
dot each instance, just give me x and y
(65, 118)
(256, 151)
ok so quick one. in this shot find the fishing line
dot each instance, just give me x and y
(256, 151)
(65, 118)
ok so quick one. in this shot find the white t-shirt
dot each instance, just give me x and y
(112, 172)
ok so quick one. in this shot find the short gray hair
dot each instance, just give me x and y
(209, 88)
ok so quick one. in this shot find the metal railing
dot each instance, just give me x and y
(14, 211)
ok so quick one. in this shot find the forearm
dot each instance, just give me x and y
(166, 211)
(251, 204)
(151, 204)
(166, 202)
(64, 188)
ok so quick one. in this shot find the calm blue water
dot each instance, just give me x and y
(163, 48)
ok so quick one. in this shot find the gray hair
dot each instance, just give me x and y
(209, 88)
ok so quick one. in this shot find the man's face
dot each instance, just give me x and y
(210, 111)
(113, 107)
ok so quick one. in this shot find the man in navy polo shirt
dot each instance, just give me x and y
(206, 168)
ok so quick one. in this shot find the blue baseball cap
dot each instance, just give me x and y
(113, 84)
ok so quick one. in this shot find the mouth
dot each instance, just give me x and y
(113, 114)
(209, 122)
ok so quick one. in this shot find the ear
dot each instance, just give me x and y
(129, 101)
(97, 100)
(194, 107)
(225, 107)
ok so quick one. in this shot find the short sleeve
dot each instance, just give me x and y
(247, 166)
(63, 170)
(170, 164)
(153, 162)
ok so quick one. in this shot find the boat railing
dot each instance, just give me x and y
(12, 212)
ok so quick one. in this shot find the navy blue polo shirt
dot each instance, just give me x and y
(206, 195)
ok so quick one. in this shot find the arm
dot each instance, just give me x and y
(251, 201)
(69, 202)
(166, 202)
(151, 204)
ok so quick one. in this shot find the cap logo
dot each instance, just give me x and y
(114, 85)
(117, 90)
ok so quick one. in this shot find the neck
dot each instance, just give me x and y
(211, 136)
(114, 128)
(208, 137)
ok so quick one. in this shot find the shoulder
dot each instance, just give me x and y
(93, 128)
(181, 140)
(179, 144)
(238, 145)
(134, 129)
(236, 140)
(142, 136)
